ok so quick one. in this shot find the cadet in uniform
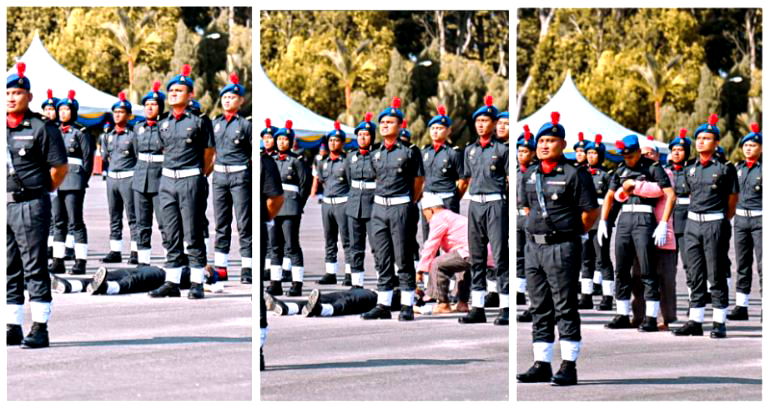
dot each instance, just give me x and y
(119, 155)
(268, 148)
(360, 173)
(270, 202)
(502, 130)
(49, 111)
(561, 207)
(36, 165)
(713, 189)
(146, 180)
(232, 179)
(336, 186)
(405, 136)
(748, 221)
(68, 203)
(679, 154)
(486, 165)
(286, 249)
(399, 179)
(525, 153)
(318, 190)
(188, 152)
(580, 152)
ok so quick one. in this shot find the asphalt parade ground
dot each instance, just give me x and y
(346, 358)
(132, 347)
(632, 366)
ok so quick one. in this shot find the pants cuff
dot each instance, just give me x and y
(720, 315)
(197, 275)
(297, 274)
(407, 298)
(116, 245)
(81, 251)
(504, 302)
(246, 262)
(597, 277)
(623, 307)
(608, 288)
(586, 286)
(331, 268)
(652, 308)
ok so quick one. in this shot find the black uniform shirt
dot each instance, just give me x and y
(270, 183)
(233, 140)
(184, 140)
(35, 146)
(147, 141)
(711, 185)
(521, 220)
(360, 168)
(294, 172)
(119, 151)
(645, 170)
(567, 192)
(395, 169)
(78, 145)
(487, 167)
(682, 191)
(332, 174)
(442, 168)
(749, 185)
(601, 182)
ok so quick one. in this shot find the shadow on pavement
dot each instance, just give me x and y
(683, 380)
(375, 363)
(153, 341)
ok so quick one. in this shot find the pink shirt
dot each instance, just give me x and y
(448, 232)
(652, 189)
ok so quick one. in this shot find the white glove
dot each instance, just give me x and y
(660, 234)
(601, 233)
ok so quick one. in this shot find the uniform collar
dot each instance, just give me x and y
(389, 147)
(180, 116)
(438, 146)
(120, 130)
(486, 143)
(334, 157)
(13, 120)
(230, 115)
(707, 162)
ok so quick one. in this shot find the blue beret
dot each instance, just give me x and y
(404, 133)
(628, 144)
(17, 79)
(487, 110)
(337, 132)
(234, 86)
(552, 128)
(502, 115)
(182, 78)
(597, 146)
(122, 103)
(393, 110)
(269, 129)
(71, 102)
(754, 136)
(709, 127)
(194, 106)
(367, 125)
(581, 143)
(286, 131)
(156, 96)
(441, 118)
(526, 139)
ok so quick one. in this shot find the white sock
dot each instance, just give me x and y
(331, 268)
(327, 310)
(608, 288)
(570, 350)
(652, 308)
(491, 286)
(586, 286)
(720, 315)
(267, 264)
(543, 351)
(245, 262)
(275, 273)
(134, 246)
(50, 241)
(58, 249)
(286, 264)
(407, 298)
(144, 256)
(477, 298)
(297, 274)
(293, 308)
(696, 314)
(69, 241)
(521, 285)
(113, 287)
(357, 279)
(385, 298)
(504, 302)
(347, 268)
(116, 245)
(81, 251)
(220, 259)
(15, 314)
(184, 246)
(77, 286)
(623, 307)
(597, 277)
(741, 299)
(197, 275)
(174, 275)
(41, 311)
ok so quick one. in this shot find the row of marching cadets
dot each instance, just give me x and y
(660, 212)
(376, 193)
(157, 166)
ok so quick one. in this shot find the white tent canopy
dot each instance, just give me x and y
(579, 115)
(279, 107)
(46, 73)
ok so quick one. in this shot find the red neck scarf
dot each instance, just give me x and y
(548, 165)
(437, 146)
(178, 115)
(389, 146)
(151, 122)
(282, 156)
(593, 170)
(523, 168)
(677, 166)
(65, 128)
(13, 119)
(485, 141)
(706, 161)
(334, 155)
(363, 151)
(120, 129)
(229, 115)
(750, 163)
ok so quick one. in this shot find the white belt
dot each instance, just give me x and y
(335, 200)
(483, 198)
(705, 217)
(230, 168)
(521, 212)
(290, 188)
(391, 201)
(149, 157)
(178, 174)
(601, 201)
(361, 184)
(748, 213)
(75, 161)
(440, 195)
(682, 200)
(120, 175)
(636, 208)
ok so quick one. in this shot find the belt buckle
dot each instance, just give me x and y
(539, 238)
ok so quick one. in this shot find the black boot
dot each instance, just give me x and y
(57, 266)
(14, 335)
(79, 267)
(133, 258)
(37, 337)
(475, 316)
(99, 282)
(597, 289)
(275, 288)
(112, 257)
(521, 299)
(525, 316)
(313, 307)
(539, 372)
(379, 312)
(605, 304)
(246, 275)
(619, 322)
(689, 328)
(327, 279)
(738, 314)
(196, 291)
(69, 253)
(649, 324)
(168, 289)
(407, 313)
(502, 318)
(285, 276)
(719, 330)
(586, 302)
(295, 290)
(348, 282)
(491, 300)
(567, 374)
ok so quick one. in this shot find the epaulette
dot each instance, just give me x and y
(202, 115)
(611, 171)
(412, 146)
(457, 148)
(248, 118)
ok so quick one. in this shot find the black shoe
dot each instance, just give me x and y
(586, 302)
(275, 305)
(57, 266)
(49, 252)
(539, 372)
(689, 328)
(597, 289)
(13, 334)
(79, 268)
(266, 275)
(525, 316)
(491, 300)
(99, 282)
(502, 318)
(60, 286)
(246, 275)
(605, 304)
(133, 258)
(348, 282)
(295, 290)
(168, 289)
(649, 324)
(327, 279)
(112, 257)
(567, 374)
(619, 322)
(379, 312)
(719, 330)
(196, 291)
(285, 276)
(521, 299)
(739, 314)
(37, 337)
(261, 360)
(475, 316)
(69, 253)
(313, 307)
(275, 288)
(407, 313)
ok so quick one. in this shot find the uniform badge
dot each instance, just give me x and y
(493, 167)
(236, 141)
(473, 151)
(355, 158)
(326, 165)
(692, 171)
(72, 149)
(22, 152)
(188, 140)
(714, 187)
(758, 188)
(141, 130)
(443, 170)
(377, 156)
(425, 157)
(740, 172)
(164, 125)
(554, 196)
(216, 128)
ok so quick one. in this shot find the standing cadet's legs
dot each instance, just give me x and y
(293, 250)
(331, 232)
(756, 234)
(240, 188)
(172, 223)
(383, 253)
(521, 280)
(73, 201)
(115, 205)
(696, 272)
(716, 252)
(60, 223)
(744, 258)
(143, 203)
(223, 218)
(540, 300)
(497, 231)
(625, 253)
(344, 232)
(192, 204)
(646, 255)
(606, 271)
(358, 232)
(477, 244)
(402, 249)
